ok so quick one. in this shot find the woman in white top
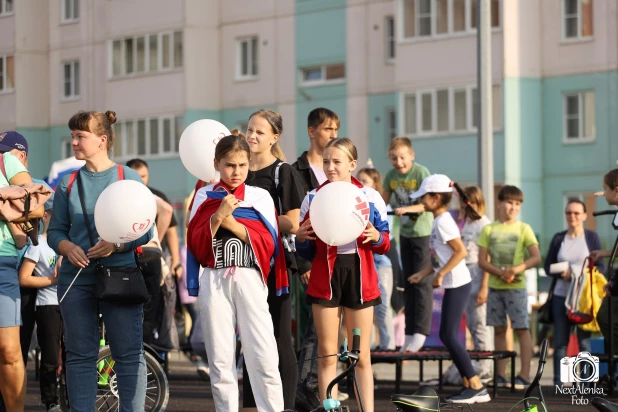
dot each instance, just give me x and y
(447, 262)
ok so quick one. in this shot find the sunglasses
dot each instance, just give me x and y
(572, 213)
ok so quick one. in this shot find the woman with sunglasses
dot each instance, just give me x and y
(573, 246)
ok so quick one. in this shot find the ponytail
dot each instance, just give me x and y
(469, 210)
(277, 152)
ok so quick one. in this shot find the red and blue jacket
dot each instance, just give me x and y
(256, 212)
(324, 256)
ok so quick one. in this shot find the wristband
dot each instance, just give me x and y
(177, 267)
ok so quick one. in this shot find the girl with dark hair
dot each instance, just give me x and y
(267, 170)
(234, 234)
(450, 271)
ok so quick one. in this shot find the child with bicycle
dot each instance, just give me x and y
(449, 271)
(344, 276)
(38, 270)
(234, 234)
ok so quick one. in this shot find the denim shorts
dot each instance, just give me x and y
(10, 298)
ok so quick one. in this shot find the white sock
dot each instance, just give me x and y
(413, 343)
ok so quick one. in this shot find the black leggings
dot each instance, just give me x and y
(418, 296)
(453, 305)
(280, 308)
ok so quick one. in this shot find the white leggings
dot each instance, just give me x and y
(236, 297)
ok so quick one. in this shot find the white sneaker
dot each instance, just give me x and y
(342, 396)
(203, 370)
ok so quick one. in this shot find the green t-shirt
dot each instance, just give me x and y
(401, 187)
(507, 246)
(13, 166)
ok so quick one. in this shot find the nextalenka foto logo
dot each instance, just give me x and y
(583, 372)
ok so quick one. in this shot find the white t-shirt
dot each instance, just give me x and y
(319, 173)
(469, 236)
(444, 229)
(45, 259)
(574, 251)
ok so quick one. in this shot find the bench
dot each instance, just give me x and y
(440, 355)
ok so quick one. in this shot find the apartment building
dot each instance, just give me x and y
(387, 67)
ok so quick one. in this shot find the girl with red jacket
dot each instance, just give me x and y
(344, 276)
(234, 234)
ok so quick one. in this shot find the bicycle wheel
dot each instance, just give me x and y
(157, 386)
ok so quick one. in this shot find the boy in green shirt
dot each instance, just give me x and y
(399, 183)
(505, 241)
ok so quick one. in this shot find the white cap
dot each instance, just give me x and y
(434, 184)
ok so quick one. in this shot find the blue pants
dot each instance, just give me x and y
(80, 315)
(562, 332)
(453, 305)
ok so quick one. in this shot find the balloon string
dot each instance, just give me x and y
(67, 291)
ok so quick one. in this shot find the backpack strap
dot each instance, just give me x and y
(277, 173)
(277, 180)
(71, 181)
(74, 175)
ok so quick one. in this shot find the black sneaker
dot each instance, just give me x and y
(459, 392)
(306, 399)
(471, 396)
(501, 382)
(52, 407)
(521, 383)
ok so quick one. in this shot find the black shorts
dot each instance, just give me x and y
(345, 284)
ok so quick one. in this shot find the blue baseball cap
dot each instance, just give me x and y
(12, 140)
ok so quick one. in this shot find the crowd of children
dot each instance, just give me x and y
(241, 231)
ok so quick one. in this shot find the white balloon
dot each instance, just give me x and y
(197, 147)
(124, 211)
(339, 213)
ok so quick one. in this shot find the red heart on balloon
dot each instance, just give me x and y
(221, 136)
(141, 226)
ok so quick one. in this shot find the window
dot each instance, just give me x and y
(579, 117)
(449, 110)
(66, 148)
(328, 73)
(149, 137)
(389, 33)
(247, 61)
(7, 73)
(71, 79)
(391, 123)
(70, 11)
(429, 18)
(6, 7)
(577, 19)
(146, 54)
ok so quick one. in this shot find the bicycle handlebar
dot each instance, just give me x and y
(405, 214)
(537, 378)
(604, 212)
(356, 340)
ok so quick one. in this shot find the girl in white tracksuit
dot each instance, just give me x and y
(233, 233)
